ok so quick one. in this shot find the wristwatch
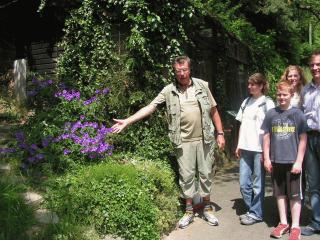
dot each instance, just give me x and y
(220, 133)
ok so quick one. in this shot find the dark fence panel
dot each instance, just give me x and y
(224, 62)
(43, 57)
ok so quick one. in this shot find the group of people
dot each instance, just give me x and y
(283, 140)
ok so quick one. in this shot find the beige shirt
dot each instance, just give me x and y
(296, 100)
(190, 118)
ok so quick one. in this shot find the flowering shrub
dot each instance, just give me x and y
(67, 128)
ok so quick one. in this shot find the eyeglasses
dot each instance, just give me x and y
(181, 70)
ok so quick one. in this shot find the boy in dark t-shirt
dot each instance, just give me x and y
(284, 145)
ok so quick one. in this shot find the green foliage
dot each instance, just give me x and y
(93, 56)
(88, 47)
(66, 230)
(118, 199)
(15, 216)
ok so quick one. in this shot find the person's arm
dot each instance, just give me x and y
(297, 166)
(266, 152)
(218, 125)
(123, 123)
(238, 150)
(239, 118)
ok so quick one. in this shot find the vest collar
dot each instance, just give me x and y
(194, 82)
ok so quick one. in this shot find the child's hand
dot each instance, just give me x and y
(296, 168)
(268, 165)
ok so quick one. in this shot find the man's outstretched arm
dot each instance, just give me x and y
(123, 123)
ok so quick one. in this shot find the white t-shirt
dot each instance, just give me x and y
(251, 118)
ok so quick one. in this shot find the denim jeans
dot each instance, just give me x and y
(313, 177)
(252, 181)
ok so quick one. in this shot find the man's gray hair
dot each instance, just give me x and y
(181, 59)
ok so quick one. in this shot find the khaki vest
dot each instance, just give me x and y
(173, 112)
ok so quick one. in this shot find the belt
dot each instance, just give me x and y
(313, 133)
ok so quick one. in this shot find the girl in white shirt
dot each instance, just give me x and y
(249, 149)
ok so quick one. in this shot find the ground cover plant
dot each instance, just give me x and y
(132, 201)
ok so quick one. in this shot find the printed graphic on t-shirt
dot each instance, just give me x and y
(283, 129)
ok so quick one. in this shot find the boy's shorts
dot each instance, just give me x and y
(284, 182)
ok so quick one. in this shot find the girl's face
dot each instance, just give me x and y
(294, 77)
(255, 89)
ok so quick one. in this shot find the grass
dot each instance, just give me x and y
(16, 217)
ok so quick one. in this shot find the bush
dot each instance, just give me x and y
(134, 202)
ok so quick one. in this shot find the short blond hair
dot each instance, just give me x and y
(285, 85)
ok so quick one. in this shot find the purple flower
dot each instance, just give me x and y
(31, 159)
(20, 136)
(106, 91)
(35, 81)
(46, 141)
(39, 156)
(82, 117)
(34, 146)
(7, 150)
(90, 100)
(66, 151)
(23, 145)
(68, 95)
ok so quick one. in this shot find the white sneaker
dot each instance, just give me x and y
(242, 216)
(209, 216)
(186, 219)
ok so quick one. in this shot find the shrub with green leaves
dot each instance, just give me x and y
(131, 201)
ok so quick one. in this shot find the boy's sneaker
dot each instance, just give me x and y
(242, 216)
(309, 230)
(280, 230)
(247, 220)
(295, 233)
(186, 219)
(209, 216)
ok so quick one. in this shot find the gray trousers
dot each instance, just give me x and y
(195, 157)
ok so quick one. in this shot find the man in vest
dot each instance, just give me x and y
(193, 118)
